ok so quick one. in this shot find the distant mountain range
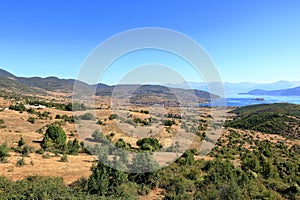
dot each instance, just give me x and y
(139, 94)
(185, 91)
(284, 92)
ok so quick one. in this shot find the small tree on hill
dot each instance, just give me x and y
(106, 180)
(54, 137)
(145, 169)
(73, 147)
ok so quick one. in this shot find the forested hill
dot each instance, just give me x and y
(279, 118)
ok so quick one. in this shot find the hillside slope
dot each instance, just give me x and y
(10, 87)
(280, 118)
(139, 94)
(156, 94)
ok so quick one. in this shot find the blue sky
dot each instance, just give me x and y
(248, 40)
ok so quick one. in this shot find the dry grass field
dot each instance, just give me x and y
(78, 166)
(17, 126)
(129, 126)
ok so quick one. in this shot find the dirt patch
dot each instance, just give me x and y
(157, 193)
(77, 167)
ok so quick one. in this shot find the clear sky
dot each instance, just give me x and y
(248, 40)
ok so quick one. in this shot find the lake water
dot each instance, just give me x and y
(245, 100)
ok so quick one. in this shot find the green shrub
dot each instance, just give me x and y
(39, 151)
(87, 116)
(73, 147)
(54, 137)
(105, 180)
(4, 152)
(122, 144)
(47, 155)
(18, 107)
(168, 122)
(144, 111)
(26, 150)
(100, 137)
(31, 120)
(113, 116)
(187, 158)
(149, 144)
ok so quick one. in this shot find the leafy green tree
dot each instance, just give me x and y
(219, 171)
(145, 169)
(251, 163)
(105, 180)
(73, 147)
(55, 137)
(230, 191)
